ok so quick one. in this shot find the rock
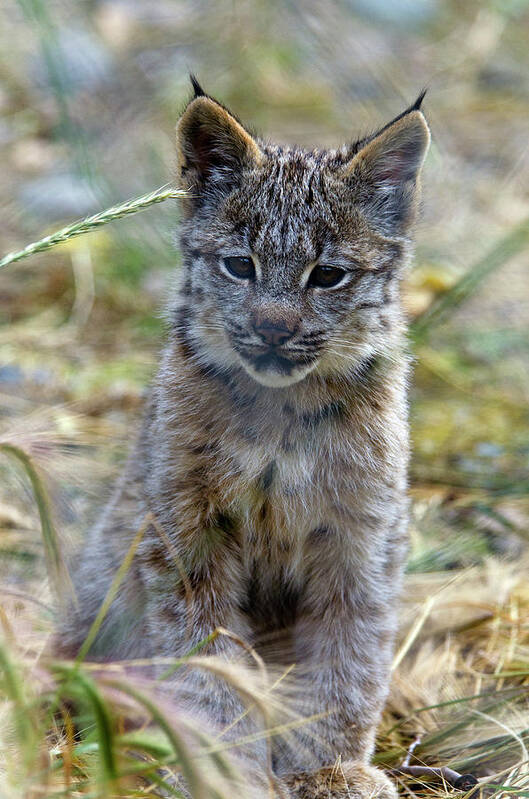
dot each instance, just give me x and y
(11, 374)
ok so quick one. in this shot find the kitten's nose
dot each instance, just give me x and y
(274, 330)
(273, 336)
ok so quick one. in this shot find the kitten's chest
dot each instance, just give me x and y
(320, 472)
(279, 496)
(275, 513)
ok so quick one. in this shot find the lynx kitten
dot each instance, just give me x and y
(274, 448)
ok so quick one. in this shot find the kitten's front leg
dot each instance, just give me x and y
(344, 639)
(192, 592)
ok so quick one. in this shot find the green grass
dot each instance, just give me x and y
(75, 729)
(81, 324)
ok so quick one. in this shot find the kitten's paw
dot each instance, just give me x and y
(347, 780)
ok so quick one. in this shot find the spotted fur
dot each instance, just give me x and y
(275, 475)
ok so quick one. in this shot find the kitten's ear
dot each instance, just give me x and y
(212, 147)
(384, 173)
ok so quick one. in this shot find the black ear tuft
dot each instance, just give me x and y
(416, 106)
(385, 170)
(418, 102)
(197, 88)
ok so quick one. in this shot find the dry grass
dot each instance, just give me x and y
(460, 682)
(461, 685)
(79, 331)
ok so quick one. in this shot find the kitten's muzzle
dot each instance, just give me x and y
(274, 331)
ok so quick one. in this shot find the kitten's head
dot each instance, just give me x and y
(292, 259)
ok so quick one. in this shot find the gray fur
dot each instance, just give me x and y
(277, 479)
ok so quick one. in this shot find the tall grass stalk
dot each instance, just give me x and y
(506, 248)
(112, 591)
(37, 13)
(91, 222)
(12, 687)
(104, 724)
(55, 562)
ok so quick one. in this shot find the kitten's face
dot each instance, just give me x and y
(288, 270)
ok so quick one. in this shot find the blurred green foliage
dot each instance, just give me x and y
(89, 96)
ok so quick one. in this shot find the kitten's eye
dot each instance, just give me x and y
(240, 267)
(325, 277)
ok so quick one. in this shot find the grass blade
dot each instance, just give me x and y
(112, 591)
(57, 570)
(189, 769)
(91, 222)
(506, 248)
(24, 726)
(79, 682)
